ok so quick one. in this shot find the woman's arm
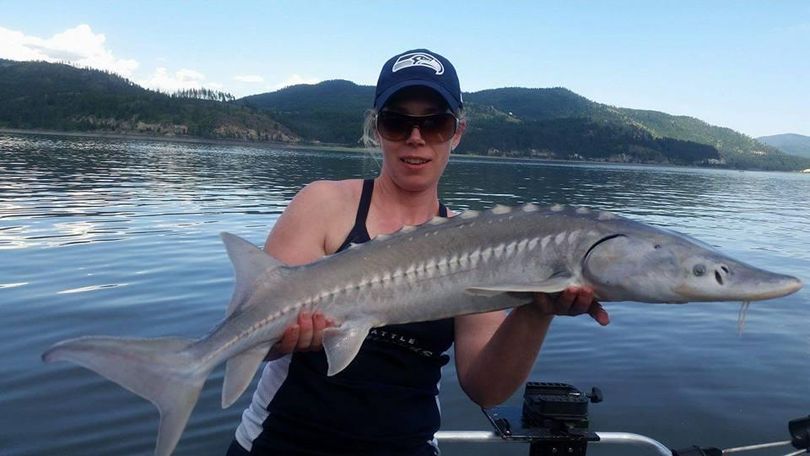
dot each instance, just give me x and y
(302, 235)
(495, 351)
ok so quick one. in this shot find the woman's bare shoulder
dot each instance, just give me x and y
(315, 223)
(327, 199)
(331, 191)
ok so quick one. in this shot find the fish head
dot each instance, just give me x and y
(663, 266)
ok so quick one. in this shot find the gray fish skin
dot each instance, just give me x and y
(474, 262)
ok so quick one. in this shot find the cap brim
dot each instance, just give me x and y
(381, 100)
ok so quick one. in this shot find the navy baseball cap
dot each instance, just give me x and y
(419, 67)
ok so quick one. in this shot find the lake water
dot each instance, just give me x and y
(103, 236)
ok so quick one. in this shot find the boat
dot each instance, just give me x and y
(553, 420)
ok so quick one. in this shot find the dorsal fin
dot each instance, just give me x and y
(249, 264)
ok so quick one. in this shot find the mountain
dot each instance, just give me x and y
(789, 143)
(39, 95)
(551, 123)
(328, 112)
(535, 104)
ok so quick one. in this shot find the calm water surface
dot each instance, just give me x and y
(120, 237)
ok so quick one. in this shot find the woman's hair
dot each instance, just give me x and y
(371, 140)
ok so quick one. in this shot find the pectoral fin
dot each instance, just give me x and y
(342, 344)
(552, 285)
(239, 371)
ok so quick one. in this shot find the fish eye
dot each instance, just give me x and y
(699, 270)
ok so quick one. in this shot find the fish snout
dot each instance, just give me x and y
(723, 279)
(794, 285)
(759, 284)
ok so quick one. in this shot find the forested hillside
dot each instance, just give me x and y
(39, 95)
(789, 143)
(552, 123)
(328, 112)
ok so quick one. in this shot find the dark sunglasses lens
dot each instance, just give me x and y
(438, 128)
(435, 128)
(394, 127)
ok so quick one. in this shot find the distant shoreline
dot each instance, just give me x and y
(280, 145)
(183, 139)
(324, 147)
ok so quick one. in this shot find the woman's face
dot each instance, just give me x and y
(417, 162)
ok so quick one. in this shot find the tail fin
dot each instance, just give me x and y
(159, 370)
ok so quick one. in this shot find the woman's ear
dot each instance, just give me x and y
(462, 126)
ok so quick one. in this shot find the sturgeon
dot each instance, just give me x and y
(474, 262)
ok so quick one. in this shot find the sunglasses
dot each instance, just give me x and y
(434, 128)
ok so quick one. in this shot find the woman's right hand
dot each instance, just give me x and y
(306, 334)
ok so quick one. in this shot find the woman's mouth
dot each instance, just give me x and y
(414, 160)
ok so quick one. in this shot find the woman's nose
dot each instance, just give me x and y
(415, 136)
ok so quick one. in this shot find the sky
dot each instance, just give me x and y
(738, 64)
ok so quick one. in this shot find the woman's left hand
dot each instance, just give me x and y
(571, 301)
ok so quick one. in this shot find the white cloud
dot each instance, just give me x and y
(167, 82)
(78, 46)
(295, 79)
(249, 78)
(185, 78)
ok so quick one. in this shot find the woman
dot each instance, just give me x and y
(385, 402)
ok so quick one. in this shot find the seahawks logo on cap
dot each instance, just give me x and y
(418, 59)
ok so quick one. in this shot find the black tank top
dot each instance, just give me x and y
(384, 402)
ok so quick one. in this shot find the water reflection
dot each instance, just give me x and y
(106, 187)
(103, 236)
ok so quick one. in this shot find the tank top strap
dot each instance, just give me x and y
(359, 233)
(365, 203)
